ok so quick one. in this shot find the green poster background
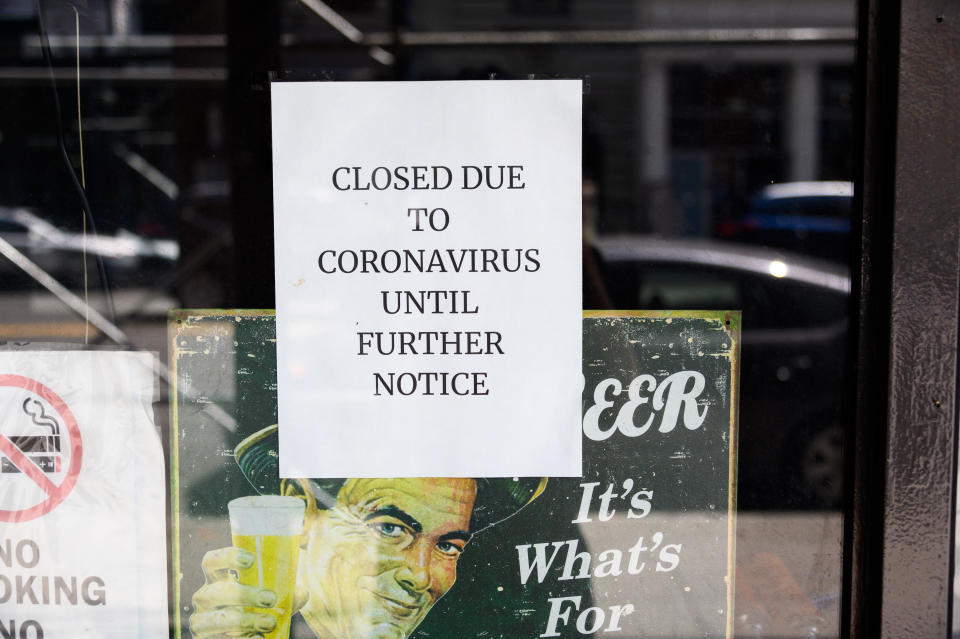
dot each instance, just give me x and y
(225, 367)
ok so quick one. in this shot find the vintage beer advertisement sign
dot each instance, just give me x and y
(82, 502)
(415, 263)
(640, 544)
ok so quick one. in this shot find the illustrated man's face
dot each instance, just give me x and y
(375, 563)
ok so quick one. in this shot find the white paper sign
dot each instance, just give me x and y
(428, 249)
(83, 549)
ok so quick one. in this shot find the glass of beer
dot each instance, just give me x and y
(269, 528)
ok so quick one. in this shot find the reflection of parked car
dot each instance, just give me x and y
(808, 217)
(128, 257)
(794, 330)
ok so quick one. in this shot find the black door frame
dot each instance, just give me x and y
(902, 457)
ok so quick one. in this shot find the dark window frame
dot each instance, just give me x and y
(899, 537)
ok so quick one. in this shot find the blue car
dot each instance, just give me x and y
(806, 217)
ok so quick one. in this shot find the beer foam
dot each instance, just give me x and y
(266, 515)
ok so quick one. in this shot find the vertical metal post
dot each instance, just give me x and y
(901, 535)
(803, 120)
(652, 192)
(253, 51)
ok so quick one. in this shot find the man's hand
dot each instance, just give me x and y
(218, 606)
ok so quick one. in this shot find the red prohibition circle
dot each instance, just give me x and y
(58, 493)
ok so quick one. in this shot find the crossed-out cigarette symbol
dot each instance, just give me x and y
(42, 448)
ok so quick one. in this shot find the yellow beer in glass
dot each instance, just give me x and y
(269, 528)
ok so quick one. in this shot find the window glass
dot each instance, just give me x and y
(717, 173)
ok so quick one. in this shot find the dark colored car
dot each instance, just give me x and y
(793, 351)
(812, 218)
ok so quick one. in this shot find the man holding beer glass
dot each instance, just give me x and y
(375, 554)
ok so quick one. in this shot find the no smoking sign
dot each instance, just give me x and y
(40, 449)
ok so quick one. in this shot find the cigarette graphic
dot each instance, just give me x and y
(42, 449)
